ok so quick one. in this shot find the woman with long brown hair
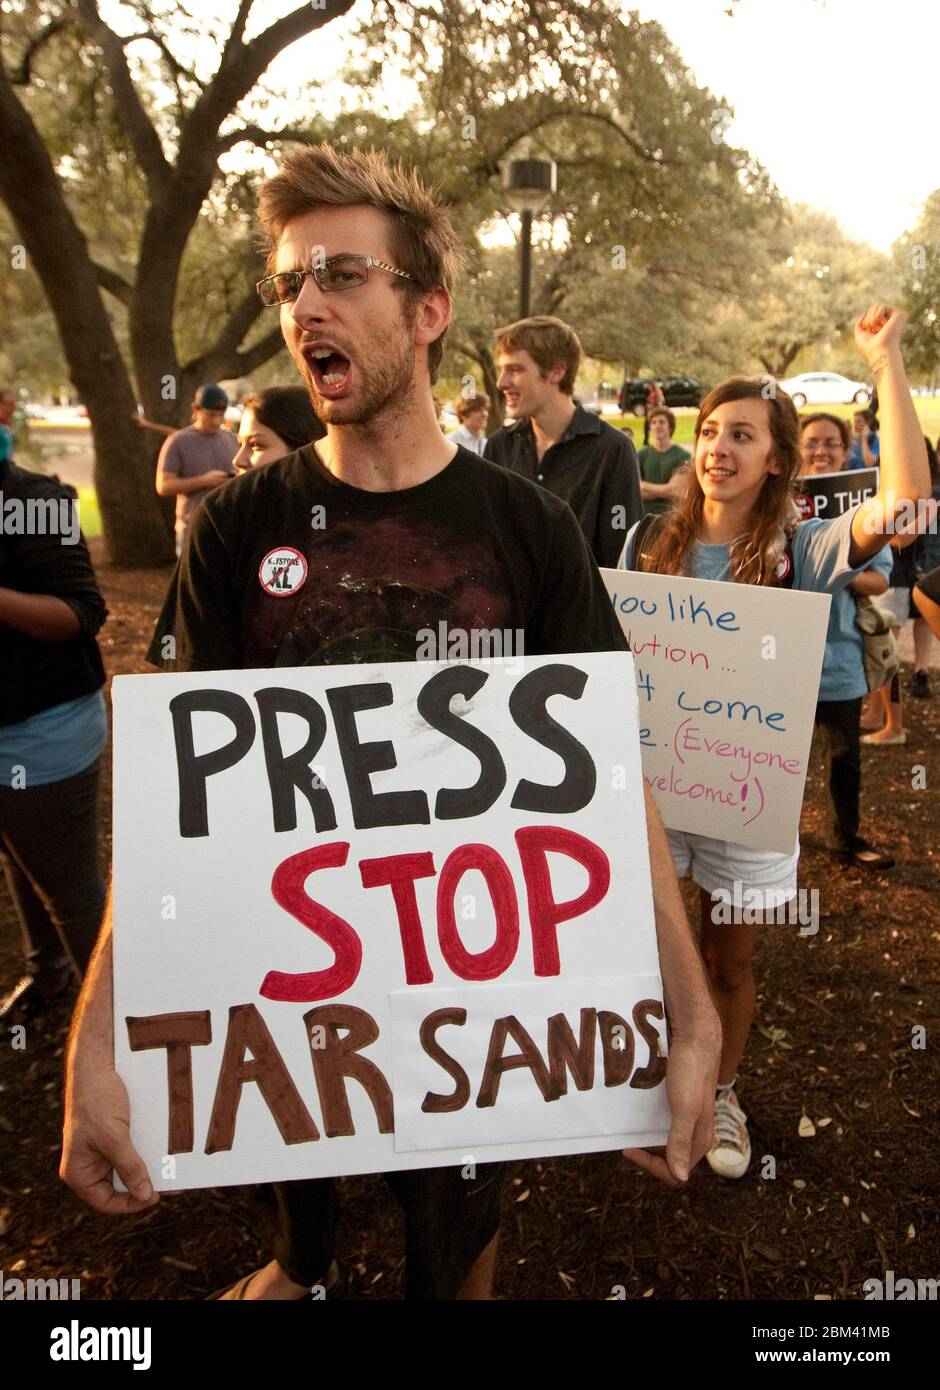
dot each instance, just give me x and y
(737, 522)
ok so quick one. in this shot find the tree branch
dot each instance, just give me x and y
(490, 165)
(115, 284)
(238, 27)
(236, 325)
(21, 76)
(241, 65)
(130, 108)
(257, 136)
(176, 67)
(258, 353)
(265, 47)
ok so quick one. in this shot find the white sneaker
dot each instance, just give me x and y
(731, 1153)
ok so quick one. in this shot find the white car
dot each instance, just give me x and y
(825, 388)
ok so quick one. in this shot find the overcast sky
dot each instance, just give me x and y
(838, 99)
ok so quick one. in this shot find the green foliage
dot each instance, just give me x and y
(917, 263)
(666, 248)
(819, 283)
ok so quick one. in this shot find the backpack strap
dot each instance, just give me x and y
(646, 528)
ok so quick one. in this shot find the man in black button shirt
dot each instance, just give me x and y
(349, 550)
(553, 442)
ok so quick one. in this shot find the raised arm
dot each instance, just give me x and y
(694, 1027)
(904, 476)
(143, 423)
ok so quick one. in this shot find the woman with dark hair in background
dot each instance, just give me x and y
(274, 423)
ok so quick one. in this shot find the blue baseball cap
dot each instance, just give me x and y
(211, 397)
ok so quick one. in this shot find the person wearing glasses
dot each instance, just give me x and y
(198, 458)
(824, 446)
(418, 532)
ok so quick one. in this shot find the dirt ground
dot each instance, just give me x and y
(815, 1216)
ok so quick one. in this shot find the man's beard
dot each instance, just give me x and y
(384, 387)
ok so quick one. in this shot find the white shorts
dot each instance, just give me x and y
(762, 878)
(895, 604)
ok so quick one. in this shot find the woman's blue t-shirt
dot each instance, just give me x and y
(820, 551)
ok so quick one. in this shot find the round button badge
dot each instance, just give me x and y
(283, 572)
(783, 567)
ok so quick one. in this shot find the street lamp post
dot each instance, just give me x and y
(528, 185)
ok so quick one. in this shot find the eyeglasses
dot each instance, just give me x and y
(821, 444)
(338, 273)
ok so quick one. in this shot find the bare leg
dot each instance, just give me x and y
(479, 1282)
(272, 1283)
(728, 953)
(923, 640)
(873, 711)
(891, 698)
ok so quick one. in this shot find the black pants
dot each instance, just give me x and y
(49, 849)
(449, 1221)
(839, 724)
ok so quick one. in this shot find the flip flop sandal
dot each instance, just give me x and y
(238, 1290)
(871, 859)
(866, 857)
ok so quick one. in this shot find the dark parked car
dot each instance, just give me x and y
(678, 390)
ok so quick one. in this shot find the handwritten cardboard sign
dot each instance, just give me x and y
(380, 917)
(826, 495)
(727, 677)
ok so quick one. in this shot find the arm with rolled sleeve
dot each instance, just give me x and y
(822, 551)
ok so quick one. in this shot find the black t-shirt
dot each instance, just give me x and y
(288, 566)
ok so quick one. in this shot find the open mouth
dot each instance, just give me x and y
(330, 370)
(719, 473)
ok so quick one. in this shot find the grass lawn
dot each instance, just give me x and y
(88, 513)
(927, 407)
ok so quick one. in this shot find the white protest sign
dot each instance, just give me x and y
(380, 917)
(728, 678)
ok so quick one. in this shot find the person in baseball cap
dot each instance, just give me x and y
(197, 459)
(210, 397)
